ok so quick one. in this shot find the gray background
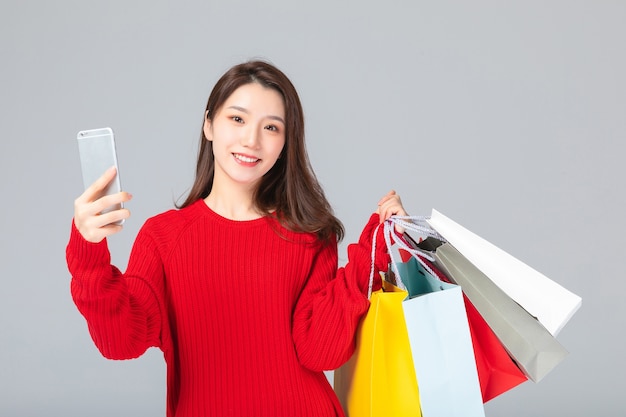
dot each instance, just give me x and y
(506, 116)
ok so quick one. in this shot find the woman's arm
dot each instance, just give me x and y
(123, 311)
(334, 300)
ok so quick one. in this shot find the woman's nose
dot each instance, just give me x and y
(250, 137)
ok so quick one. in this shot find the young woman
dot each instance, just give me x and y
(239, 287)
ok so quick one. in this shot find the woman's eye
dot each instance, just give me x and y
(273, 128)
(237, 119)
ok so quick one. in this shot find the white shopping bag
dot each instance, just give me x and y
(543, 298)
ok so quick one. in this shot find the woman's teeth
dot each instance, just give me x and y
(245, 158)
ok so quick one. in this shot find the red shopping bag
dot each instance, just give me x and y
(497, 373)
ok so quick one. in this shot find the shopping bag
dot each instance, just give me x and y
(441, 344)
(543, 298)
(379, 379)
(440, 341)
(531, 345)
(497, 372)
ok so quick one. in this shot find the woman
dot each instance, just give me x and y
(239, 287)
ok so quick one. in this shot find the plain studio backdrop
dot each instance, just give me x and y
(509, 117)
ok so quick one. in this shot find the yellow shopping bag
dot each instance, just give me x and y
(379, 379)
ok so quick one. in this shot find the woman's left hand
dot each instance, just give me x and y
(391, 205)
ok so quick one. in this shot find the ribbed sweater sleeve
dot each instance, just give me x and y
(123, 311)
(328, 312)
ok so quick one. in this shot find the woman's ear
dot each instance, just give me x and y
(207, 129)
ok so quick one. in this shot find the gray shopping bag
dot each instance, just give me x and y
(528, 342)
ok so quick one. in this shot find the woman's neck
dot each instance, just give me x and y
(232, 203)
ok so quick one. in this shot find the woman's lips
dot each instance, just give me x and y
(245, 159)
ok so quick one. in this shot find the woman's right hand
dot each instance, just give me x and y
(89, 221)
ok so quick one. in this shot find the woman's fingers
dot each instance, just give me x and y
(90, 218)
(386, 197)
(94, 225)
(94, 234)
(111, 200)
(84, 209)
(391, 204)
(92, 192)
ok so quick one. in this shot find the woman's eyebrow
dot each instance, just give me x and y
(277, 118)
(244, 110)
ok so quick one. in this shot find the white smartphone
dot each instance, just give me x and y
(96, 148)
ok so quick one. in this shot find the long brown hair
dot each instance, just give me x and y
(290, 187)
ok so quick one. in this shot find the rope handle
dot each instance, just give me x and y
(416, 224)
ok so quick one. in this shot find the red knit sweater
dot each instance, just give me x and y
(247, 313)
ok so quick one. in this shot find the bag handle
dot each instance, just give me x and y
(416, 224)
(373, 264)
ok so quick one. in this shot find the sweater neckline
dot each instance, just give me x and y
(204, 207)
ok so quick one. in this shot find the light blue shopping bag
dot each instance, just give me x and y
(441, 344)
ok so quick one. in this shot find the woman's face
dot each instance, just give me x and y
(248, 135)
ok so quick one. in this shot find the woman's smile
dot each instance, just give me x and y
(245, 159)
